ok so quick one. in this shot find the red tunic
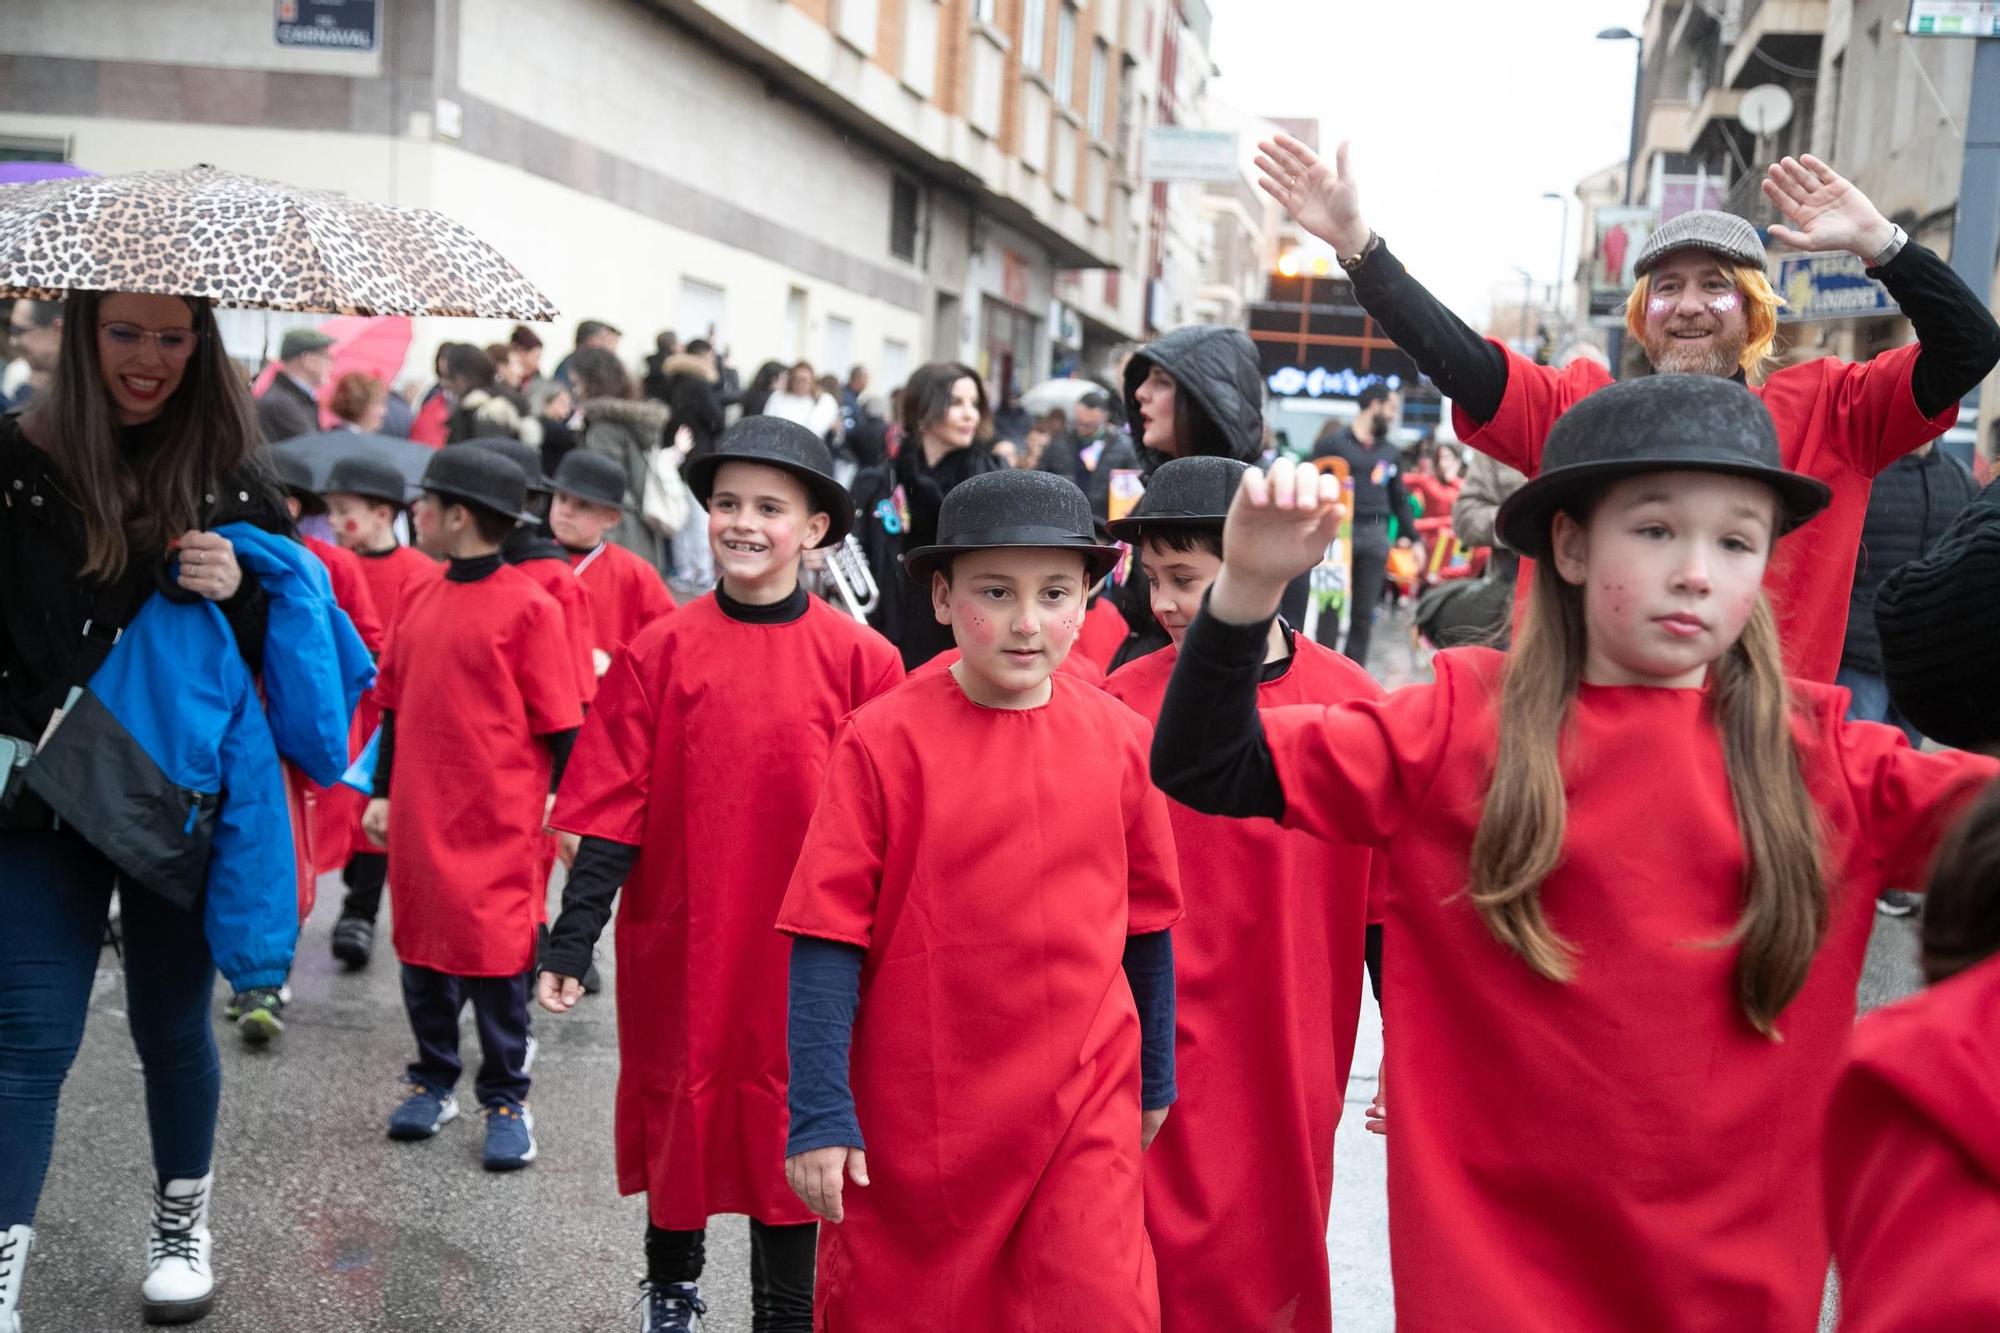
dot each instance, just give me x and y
(387, 575)
(626, 594)
(1104, 633)
(1074, 663)
(1913, 1163)
(1623, 1151)
(558, 580)
(333, 814)
(1839, 421)
(705, 751)
(476, 675)
(1268, 969)
(388, 571)
(992, 863)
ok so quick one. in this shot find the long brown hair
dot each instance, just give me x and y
(208, 430)
(1961, 923)
(1520, 837)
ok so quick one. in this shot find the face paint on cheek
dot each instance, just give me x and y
(351, 526)
(1723, 304)
(1659, 307)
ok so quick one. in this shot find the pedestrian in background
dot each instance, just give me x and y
(694, 394)
(290, 405)
(665, 344)
(1381, 505)
(480, 409)
(34, 330)
(589, 333)
(945, 421)
(527, 345)
(805, 401)
(691, 787)
(1091, 451)
(432, 422)
(627, 431)
(359, 402)
(477, 677)
(141, 444)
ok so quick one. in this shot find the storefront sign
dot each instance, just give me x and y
(1830, 286)
(1173, 153)
(1620, 235)
(1953, 18)
(329, 25)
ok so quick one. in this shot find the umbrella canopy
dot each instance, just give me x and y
(243, 241)
(1058, 395)
(19, 173)
(372, 345)
(323, 450)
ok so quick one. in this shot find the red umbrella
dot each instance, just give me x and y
(372, 345)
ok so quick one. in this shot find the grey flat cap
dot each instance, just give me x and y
(1704, 229)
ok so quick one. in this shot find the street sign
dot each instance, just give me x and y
(1173, 153)
(328, 25)
(1829, 286)
(1953, 18)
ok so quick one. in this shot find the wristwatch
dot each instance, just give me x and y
(1374, 244)
(1898, 238)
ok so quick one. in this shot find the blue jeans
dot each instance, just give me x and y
(55, 893)
(1871, 702)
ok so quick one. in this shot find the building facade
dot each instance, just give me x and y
(841, 181)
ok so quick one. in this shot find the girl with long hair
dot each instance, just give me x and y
(1633, 873)
(142, 445)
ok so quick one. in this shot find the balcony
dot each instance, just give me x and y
(1785, 31)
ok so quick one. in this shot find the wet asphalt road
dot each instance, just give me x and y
(323, 1224)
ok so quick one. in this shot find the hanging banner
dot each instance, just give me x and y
(329, 25)
(1829, 286)
(1620, 235)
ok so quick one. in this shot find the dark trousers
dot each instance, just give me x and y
(364, 876)
(55, 894)
(499, 1006)
(1371, 564)
(781, 1270)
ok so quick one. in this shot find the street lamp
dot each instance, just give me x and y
(1638, 79)
(1562, 253)
(1527, 300)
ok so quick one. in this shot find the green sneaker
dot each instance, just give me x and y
(258, 1015)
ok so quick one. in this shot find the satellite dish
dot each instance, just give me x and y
(1765, 109)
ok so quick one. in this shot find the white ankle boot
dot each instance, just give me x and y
(13, 1263)
(180, 1284)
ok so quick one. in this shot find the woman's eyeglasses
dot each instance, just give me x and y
(174, 344)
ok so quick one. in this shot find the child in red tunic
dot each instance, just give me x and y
(1913, 1135)
(475, 682)
(1615, 1025)
(363, 497)
(530, 549)
(626, 592)
(692, 785)
(1268, 969)
(987, 867)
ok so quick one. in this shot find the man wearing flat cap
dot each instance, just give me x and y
(290, 405)
(1703, 305)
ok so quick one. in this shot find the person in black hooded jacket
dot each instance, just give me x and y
(1194, 391)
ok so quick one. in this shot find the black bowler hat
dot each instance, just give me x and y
(1661, 423)
(524, 456)
(468, 474)
(1192, 492)
(787, 446)
(296, 476)
(997, 510)
(591, 477)
(369, 478)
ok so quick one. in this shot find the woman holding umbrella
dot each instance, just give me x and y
(142, 444)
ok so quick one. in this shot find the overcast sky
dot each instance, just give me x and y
(1461, 112)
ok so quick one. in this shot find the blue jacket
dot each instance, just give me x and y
(167, 762)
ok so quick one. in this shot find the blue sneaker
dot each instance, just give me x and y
(423, 1113)
(510, 1136)
(669, 1307)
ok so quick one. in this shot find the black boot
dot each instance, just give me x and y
(354, 941)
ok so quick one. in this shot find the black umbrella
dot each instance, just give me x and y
(328, 447)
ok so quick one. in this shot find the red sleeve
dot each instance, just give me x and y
(1536, 395)
(582, 633)
(654, 599)
(542, 672)
(1906, 799)
(1915, 1228)
(608, 783)
(1351, 772)
(432, 423)
(838, 876)
(1152, 865)
(884, 672)
(1873, 410)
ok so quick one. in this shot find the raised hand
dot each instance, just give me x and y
(1824, 209)
(1321, 196)
(1279, 526)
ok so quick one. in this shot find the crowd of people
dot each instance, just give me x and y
(994, 942)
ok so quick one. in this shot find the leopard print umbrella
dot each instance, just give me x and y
(243, 241)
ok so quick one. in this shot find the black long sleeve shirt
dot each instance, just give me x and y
(1959, 337)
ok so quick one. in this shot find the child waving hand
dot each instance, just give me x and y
(1633, 876)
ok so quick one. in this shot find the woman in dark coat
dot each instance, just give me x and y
(141, 447)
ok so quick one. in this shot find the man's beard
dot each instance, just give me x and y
(1671, 356)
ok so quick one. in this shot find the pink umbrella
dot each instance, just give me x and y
(372, 345)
